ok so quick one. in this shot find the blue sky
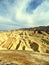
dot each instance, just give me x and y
(16, 14)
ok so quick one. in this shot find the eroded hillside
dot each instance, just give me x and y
(31, 47)
(27, 39)
(34, 40)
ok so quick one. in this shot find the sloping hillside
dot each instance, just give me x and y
(32, 39)
(23, 58)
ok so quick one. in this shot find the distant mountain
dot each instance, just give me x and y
(40, 28)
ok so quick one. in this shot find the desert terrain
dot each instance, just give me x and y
(29, 46)
(23, 58)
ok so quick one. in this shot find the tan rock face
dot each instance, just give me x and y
(31, 40)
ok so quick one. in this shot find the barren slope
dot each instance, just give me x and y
(27, 39)
(33, 43)
(23, 58)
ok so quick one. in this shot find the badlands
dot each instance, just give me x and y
(28, 46)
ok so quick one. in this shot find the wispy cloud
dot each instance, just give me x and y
(24, 13)
(39, 16)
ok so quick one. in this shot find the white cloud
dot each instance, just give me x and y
(39, 15)
(21, 15)
(4, 19)
(17, 14)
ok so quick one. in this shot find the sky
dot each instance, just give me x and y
(15, 14)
